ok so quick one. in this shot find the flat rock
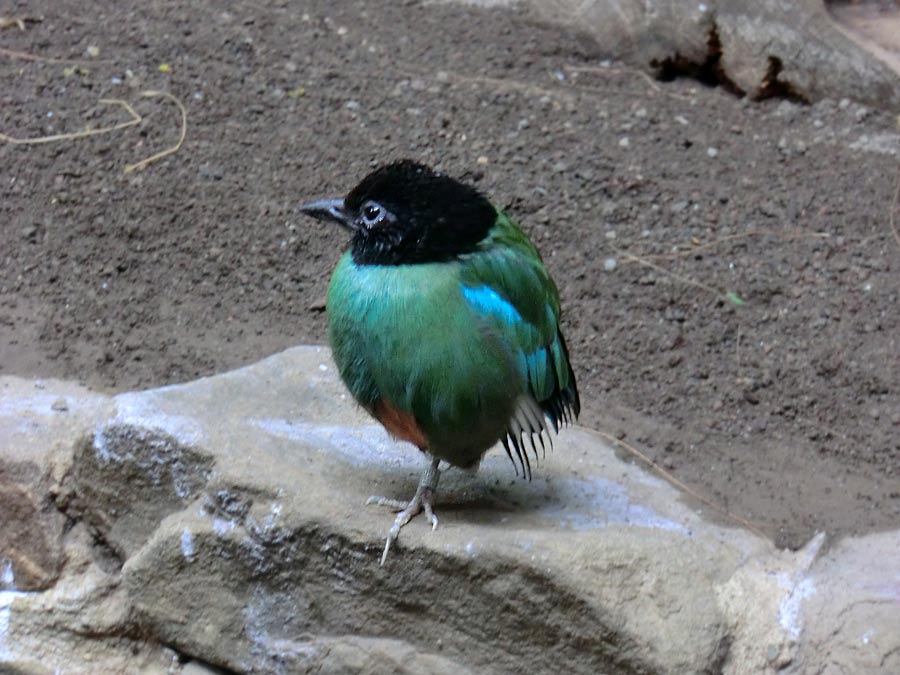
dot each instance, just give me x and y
(224, 522)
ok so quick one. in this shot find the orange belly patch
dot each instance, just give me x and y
(400, 424)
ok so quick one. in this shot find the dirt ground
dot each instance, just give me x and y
(650, 201)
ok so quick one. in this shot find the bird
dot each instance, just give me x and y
(444, 325)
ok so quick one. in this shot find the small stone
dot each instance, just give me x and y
(482, 160)
(785, 109)
(60, 405)
(712, 152)
(352, 105)
(844, 103)
(211, 172)
(610, 264)
(624, 142)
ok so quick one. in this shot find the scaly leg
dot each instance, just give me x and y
(422, 500)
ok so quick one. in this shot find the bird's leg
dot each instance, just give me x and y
(422, 500)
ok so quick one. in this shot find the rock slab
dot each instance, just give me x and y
(221, 524)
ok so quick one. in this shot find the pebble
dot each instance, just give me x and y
(60, 405)
(610, 264)
(624, 142)
(211, 171)
(712, 152)
(785, 109)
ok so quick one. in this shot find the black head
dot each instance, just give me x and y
(406, 213)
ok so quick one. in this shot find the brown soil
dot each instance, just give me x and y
(785, 409)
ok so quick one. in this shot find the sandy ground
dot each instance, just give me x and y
(728, 272)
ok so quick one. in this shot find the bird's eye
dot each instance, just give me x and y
(372, 214)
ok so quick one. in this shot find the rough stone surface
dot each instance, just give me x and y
(854, 593)
(220, 525)
(37, 418)
(762, 49)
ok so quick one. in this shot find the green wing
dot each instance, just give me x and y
(506, 285)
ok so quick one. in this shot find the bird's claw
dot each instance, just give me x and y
(429, 513)
(396, 504)
(421, 501)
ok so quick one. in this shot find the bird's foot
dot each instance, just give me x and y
(395, 504)
(421, 501)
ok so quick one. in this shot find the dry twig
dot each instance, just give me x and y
(733, 237)
(135, 119)
(11, 21)
(893, 213)
(685, 280)
(679, 484)
(168, 151)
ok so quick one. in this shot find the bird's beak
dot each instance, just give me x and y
(328, 209)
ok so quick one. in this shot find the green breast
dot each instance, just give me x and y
(405, 333)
